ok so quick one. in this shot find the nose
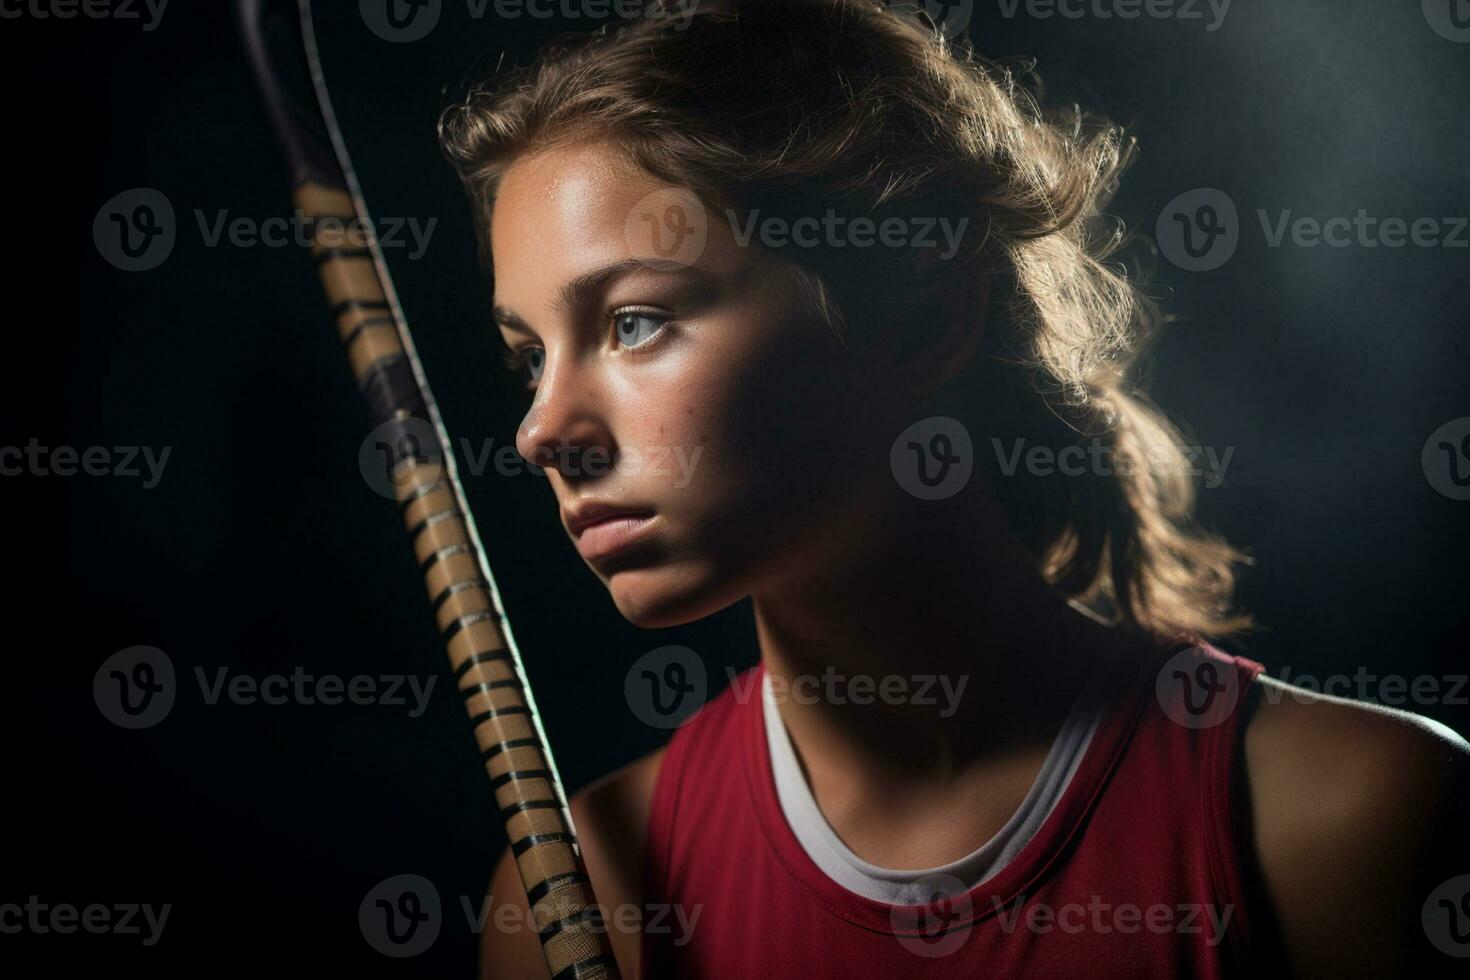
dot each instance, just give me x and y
(565, 429)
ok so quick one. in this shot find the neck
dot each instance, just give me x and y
(920, 645)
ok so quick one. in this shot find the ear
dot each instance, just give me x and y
(940, 339)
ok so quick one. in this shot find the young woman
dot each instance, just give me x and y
(856, 277)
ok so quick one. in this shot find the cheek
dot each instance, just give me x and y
(773, 422)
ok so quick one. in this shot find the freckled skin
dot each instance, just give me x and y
(782, 418)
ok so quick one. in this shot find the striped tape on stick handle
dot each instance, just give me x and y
(410, 433)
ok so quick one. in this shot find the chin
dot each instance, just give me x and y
(660, 597)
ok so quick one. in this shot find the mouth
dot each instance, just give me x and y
(600, 532)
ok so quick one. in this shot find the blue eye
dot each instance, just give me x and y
(636, 328)
(527, 363)
(633, 328)
(535, 359)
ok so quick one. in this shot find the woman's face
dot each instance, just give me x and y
(687, 384)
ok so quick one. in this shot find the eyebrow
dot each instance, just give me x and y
(575, 292)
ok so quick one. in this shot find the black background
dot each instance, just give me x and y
(263, 550)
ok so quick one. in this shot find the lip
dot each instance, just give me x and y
(602, 529)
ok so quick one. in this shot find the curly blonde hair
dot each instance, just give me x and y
(794, 107)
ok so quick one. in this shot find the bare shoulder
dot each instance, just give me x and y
(611, 817)
(1359, 813)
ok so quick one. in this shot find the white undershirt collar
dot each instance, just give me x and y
(897, 886)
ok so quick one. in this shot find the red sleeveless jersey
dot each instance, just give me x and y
(1142, 869)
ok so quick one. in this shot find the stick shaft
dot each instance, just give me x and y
(483, 656)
